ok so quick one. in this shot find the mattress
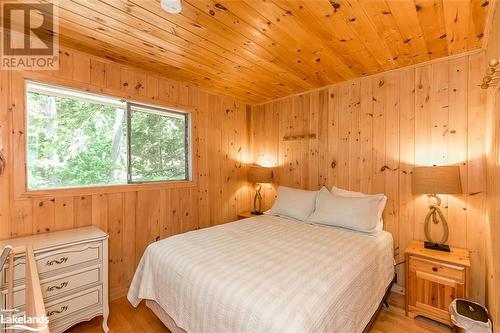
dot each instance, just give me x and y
(267, 274)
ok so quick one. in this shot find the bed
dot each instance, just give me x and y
(265, 274)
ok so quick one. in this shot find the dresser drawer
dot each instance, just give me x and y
(68, 306)
(49, 263)
(437, 269)
(66, 283)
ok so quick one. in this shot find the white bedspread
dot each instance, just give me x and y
(267, 274)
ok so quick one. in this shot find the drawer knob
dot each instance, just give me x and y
(57, 261)
(435, 269)
(63, 309)
(59, 287)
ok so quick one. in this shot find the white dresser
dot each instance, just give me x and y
(73, 268)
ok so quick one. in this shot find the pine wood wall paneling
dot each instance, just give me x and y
(138, 215)
(390, 169)
(493, 208)
(332, 135)
(229, 164)
(21, 222)
(379, 142)
(6, 208)
(375, 130)
(114, 228)
(148, 220)
(16, 105)
(354, 137)
(100, 210)
(457, 145)
(271, 138)
(493, 179)
(64, 213)
(406, 225)
(344, 99)
(312, 149)
(476, 175)
(322, 135)
(129, 253)
(439, 126)
(215, 165)
(203, 160)
(366, 137)
(82, 211)
(422, 143)
(242, 146)
(264, 137)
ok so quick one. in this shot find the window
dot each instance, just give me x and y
(80, 139)
(158, 144)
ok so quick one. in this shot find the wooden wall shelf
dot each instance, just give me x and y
(299, 137)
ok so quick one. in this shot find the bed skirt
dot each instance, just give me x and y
(164, 317)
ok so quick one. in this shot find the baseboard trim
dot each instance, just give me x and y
(398, 289)
(117, 292)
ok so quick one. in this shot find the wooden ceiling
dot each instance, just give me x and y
(258, 50)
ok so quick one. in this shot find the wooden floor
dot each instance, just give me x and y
(125, 319)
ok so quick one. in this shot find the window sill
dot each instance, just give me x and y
(81, 191)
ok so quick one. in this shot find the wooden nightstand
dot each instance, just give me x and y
(434, 279)
(246, 215)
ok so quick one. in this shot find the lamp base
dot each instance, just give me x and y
(256, 212)
(436, 246)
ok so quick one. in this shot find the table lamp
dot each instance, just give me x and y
(259, 175)
(434, 180)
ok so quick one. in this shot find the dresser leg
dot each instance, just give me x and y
(105, 316)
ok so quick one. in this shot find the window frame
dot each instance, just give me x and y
(160, 106)
(187, 141)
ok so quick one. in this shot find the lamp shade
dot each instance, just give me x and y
(436, 180)
(258, 174)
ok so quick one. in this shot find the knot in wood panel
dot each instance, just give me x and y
(335, 5)
(386, 167)
(3, 162)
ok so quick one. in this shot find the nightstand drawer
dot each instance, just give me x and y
(437, 269)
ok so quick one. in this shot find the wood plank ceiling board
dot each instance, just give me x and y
(409, 25)
(431, 16)
(336, 35)
(259, 50)
(185, 39)
(208, 63)
(301, 38)
(253, 29)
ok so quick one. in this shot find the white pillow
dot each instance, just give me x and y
(346, 193)
(293, 203)
(356, 213)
